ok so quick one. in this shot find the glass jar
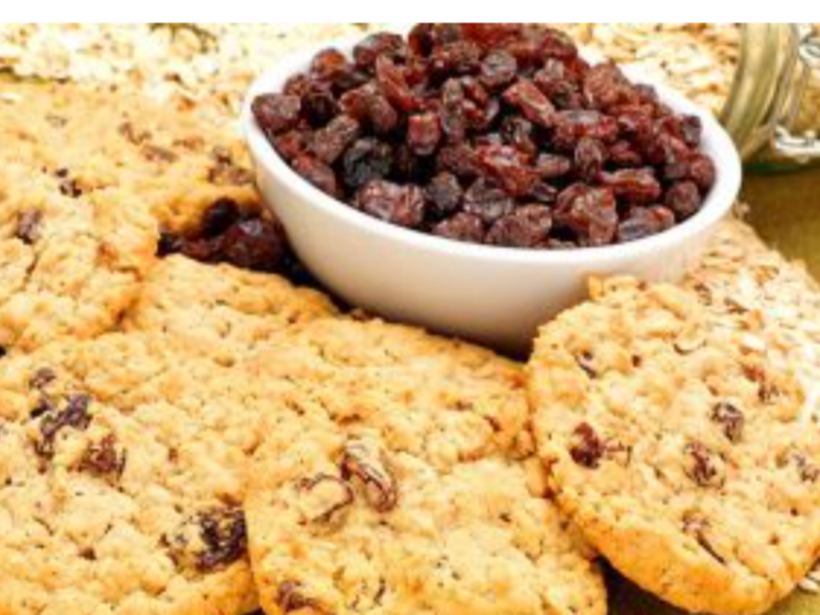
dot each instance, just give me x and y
(773, 108)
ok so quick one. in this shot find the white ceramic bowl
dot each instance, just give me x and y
(493, 295)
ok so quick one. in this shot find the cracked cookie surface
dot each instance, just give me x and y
(69, 264)
(407, 483)
(687, 458)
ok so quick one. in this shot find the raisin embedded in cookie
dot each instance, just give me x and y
(686, 457)
(405, 484)
(69, 265)
(121, 480)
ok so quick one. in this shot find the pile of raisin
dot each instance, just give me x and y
(497, 134)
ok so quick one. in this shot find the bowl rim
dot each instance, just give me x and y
(716, 206)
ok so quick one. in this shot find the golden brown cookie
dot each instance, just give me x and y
(688, 459)
(405, 484)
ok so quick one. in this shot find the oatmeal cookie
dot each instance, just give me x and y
(121, 481)
(407, 484)
(686, 457)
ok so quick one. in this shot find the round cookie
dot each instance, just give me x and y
(406, 485)
(70, 264)
(683, 455)
(121, 481)
(218, 310)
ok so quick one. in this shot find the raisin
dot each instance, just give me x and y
(219, 217)
(331, 141)
(319, 106)
(691, 130)
(730, 418)
(394, 85)
(74, 415)
(423, 133)
(645, 222)
(363, 462)
(169, 243)
(509, 167)
(637, 186)
(555, 81)
(453, 102)
(526, 227)
(444, 193)
(291, 144)
(317, 173)
(696, 526)
(487, 201)
(258, 244)
(461, 160)
(325, 497)
(461, 227)
(28, 226)
(401, 205)
(590, 157)
(605, 86)
(588, 448)
(572, 126)
(457, 58)
(491, 35)
(209, 540)
(590, 213)
(379, 45)
(498, 69)
(543, 192)
(327, 64)
(42, 378)
(102, 459)
(552, 166)
(276, 113)
(519, 133)
(536, 107)
(684, 199)
(367, 159)
(702, 171)
(291, 597)
(703, 465)
(623, 154)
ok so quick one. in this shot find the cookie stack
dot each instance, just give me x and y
(189, 437)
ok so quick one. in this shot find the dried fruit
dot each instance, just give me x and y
(703, 465)
(590, 213)
(367, 464)
(28, 226)
(256, 243)
(461, 227)
(276, 113)
(588, 448)
(42, 378)
(730, 418)
(209, 540)
(526, 227)
(444, 193)
(103, 459)
(331, 141)
(531, 101)
(291, 597)
(487, 201)
(511, 113)
(74, 415)
(423, 133)
(684, 199)
(401, 205)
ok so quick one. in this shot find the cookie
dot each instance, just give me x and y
(121, 480)
(174, 157)
(688, 459)
(218, 310)
(69, 264)
(404, 483)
